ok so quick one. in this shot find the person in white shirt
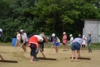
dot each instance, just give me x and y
(18, 41)
(24, 39)
(84, 43)
(1, 32)
(70, 41)
(75, 46)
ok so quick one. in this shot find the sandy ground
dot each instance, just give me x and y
(63, 58)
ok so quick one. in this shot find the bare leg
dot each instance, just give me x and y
(56, 48)
(73, 55)
(31, 60)
(77, 55)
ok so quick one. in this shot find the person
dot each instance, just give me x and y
(33, 43)
(76, 43)
(24, 39)
(64, 41)
(1, 33)
(84, 43)
(55, 42)
(89, 41)
(18, 41)
(71, 39)
(44, 40)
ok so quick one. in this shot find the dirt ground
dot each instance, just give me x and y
(63, 58)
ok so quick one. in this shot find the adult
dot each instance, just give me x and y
(75, 47)
(89, 41)
(24, 39)
(64, 41)
(33, 43)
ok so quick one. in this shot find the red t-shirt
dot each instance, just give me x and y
(33, 40)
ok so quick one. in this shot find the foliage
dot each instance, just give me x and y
(46, 15)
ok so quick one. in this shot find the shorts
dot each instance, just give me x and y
(33, 49)
(57, 44)
(83, 46)
(75, 46)
(25, 43)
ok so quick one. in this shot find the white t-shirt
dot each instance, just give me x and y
(24, 37)
(18, 37)
(79, 40)
(84, 41)
(39, 38)
(0, 30)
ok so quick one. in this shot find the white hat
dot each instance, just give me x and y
(53, 34)
(64, 32)
(70, 35)
(21, 30)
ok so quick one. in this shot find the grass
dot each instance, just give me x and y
(94, 46)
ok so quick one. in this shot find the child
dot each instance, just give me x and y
(25, 39)
(18, 37)
(84, 43)
(64, 41)
(56, 42)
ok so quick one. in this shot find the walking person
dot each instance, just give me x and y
(24, 39)
(64, 41)
(89, 41)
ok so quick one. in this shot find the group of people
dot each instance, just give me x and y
(36, 43)
(21, 35)
(75, 44)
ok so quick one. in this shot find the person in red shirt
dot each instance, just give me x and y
(33, 43)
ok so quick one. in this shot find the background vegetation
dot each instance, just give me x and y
(46, 15)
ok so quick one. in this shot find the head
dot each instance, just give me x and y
(53, 35)
(22, 31)
(64, 33)
(70, 35)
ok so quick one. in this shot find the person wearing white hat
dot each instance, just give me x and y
(64, 41)
(33, 43)
(56, 42)
(24, 38)
(1, 33)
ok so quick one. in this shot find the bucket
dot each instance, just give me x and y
(13, 41)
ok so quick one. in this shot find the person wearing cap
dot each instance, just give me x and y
(89, 41)
(1, 32)
(33, 43)
(24, 39)
(64, 41)
(55, 42)
(75, 47)
(71, 39)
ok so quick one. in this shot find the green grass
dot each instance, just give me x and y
(94, 46)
